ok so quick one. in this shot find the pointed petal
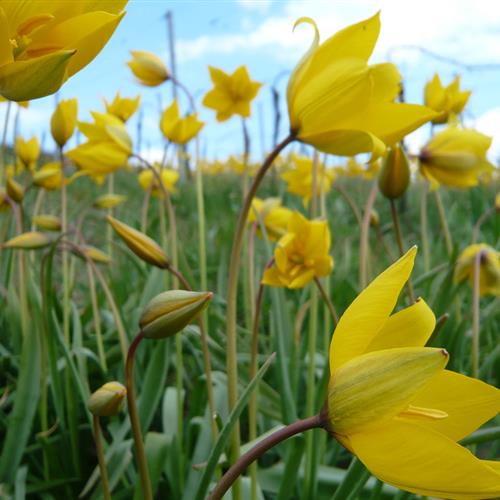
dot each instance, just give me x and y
(468, 402)
(425, 462)
(410, 327)
(369, 312)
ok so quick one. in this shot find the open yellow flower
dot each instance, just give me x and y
(148, 180)
(274, 217)
(340, 104)
(489, 268)
(448, 101)
(27, 152)
(107, 149)
(300, 180)
(148, 68)
(42, 44)
(49, 176)
(63, 121)
(393, 404)
(455, 157)
(232, 94)
(301, 254)
(176, 129)
(122, 107)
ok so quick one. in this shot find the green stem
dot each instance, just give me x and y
(350, 202)
(111, 182)
(363, 239)
(140, 453)
(444, 223)
(479, 222)
(232, 289)
(423, 227)
(230, 477)
(327, 300)
(476, 314)
(100, 457)
(145, 210)
(3, 147)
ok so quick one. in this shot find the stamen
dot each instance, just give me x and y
(417, 411)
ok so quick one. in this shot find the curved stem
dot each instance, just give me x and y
(423, 227)
(327, 300)
(479, 222)
(363, 239)
(260, 448)
(350, 202)
(100, 457)
(444, 223)
(134, 419)
(232, 289)
(475, 313)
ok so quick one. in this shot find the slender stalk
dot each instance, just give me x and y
(479, 222)
(424, 231)
(36, 206)
(327, 300)
(444, 223)
(363, 239)
(100, 457)
(109, 236)
(260, 448)
(350, 202)
(232, 289)
(383, 242)
(145, 210)
(3, 146)
(399, 239)
(140, 453)
(476, 314)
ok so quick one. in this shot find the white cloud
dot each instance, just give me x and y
(489, 124)
(261, 6)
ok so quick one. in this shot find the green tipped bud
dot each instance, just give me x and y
(28, 241)
(15, 190)
(394, 177)
(48, 222)
(107, 400)
(169, 312)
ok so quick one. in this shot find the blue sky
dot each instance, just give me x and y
(259, 34)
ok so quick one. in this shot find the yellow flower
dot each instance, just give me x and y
(122, 107)
(447, 101)
(339, 104)
(455, 157)
(31, 240)
(27, 152)
(48, 222)
(299, 178)
(107, 149)
(232, 94)
(63, 121)
(148, 68)
(109, 200)
(107, 400)
(42, 44)
(301, 254)
(14, 189)
(274, 217)
(49, 177)
(148, 180)
(392, 403)
(489, 268)
(176, 129)
(394, 177)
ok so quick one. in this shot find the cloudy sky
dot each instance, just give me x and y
(464, 34)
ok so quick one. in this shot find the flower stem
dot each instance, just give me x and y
(479, 222)
(444, 223)
(101, 459)
(363, 239)
(232, 288)
(423, 227)
(327, 300)
(260, 448)
(3, 146)
(350, 202)
(134, 419)
(476, 314)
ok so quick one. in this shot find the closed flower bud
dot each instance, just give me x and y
(374, 218)
(394, 177)
(107, 400)
(148, 68)
(95, 254)
(109, 200)
(169, 312)
(28, 241)
(47, 222)
(15, 190)
(143, 246)
(63, 121)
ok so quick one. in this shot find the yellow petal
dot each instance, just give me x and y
(369, 312)
(468, 402)
(414, 458)
(409, 327)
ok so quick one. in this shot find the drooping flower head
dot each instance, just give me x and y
(392, 403)
(340, 104)
(232, 94)
(149, 181)
(270, 213)
(176, 129)
(122, 107)
(301, 255)
(148, 68)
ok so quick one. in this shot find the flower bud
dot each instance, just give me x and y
(48, 222)
(28, 241)
(169, 312)
(109, 200)
(95, 254)
(374, 218)
(14, 190)
(148, 68)
(63, 121)
(394, 177)
(143, 246)
(107, 400)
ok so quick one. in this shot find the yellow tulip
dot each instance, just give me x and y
(340, 104)
(270, 212)
(300, 180)
(63, 121)
(14, 190)
(176, 129)
(392, 403)
(489, 268)
(148, 68)
(28, 151)
(448, 101)
(109, 200)
(49, 177)
(28, 241)
(455, 157)
(232, 94)
(148, 180)
(108, 400)
(94, 254)
(394, 177)
(43, 44)
(107, 149)
(122, 107)
(301, 255)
